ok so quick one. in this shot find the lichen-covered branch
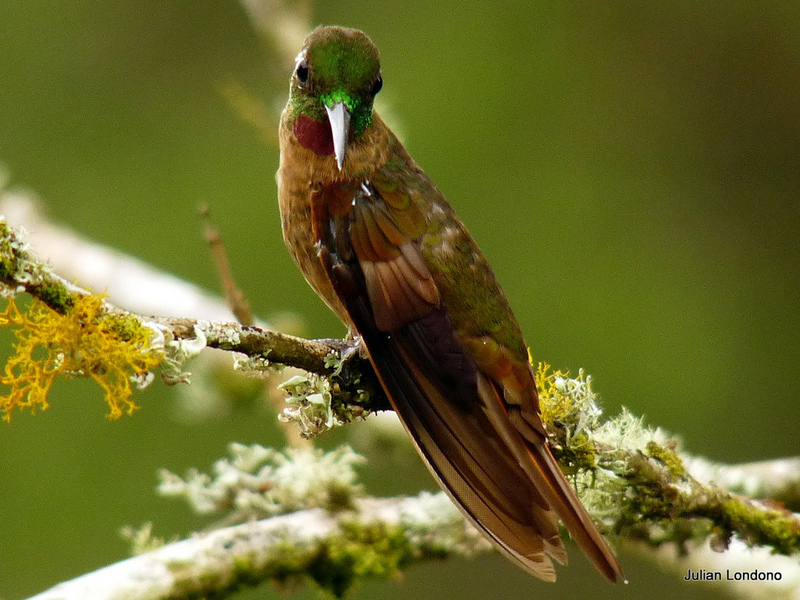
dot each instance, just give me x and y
(302, 517)
(348, 376)
(777, 480)
(376, 538)
(664, 504)
(21, 271)
(636, 482)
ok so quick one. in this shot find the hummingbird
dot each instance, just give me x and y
(379, 243)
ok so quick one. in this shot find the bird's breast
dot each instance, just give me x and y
(305, 209)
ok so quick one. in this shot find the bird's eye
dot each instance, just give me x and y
(302, 72)
(376, 87)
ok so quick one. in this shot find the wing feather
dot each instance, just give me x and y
(399, 284)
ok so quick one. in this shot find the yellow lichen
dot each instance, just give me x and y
(86, 341)
(570, 413)
(551, 402)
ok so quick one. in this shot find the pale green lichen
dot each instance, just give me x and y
(255, 365)
(316, 405)
(141, 539)
(258, 482)
(227, 336)
(309, 400)
(335, 362)
(628, 431)
(570, 413)
(18, 269)
(176, 352)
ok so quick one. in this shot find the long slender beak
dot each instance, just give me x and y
(339, 117)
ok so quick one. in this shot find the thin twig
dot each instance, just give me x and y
(233, 295)
(127, 281)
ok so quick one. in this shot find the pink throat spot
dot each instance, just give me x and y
(314, 135)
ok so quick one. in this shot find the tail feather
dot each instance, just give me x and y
(478, 473)
(461, 449)
(542, 468)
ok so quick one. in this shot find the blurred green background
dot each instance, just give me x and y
(632, 170)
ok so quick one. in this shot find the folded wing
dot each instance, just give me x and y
(476, 427)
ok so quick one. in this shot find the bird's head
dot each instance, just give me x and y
(333, 87)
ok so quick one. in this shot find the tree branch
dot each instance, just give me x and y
(21, 271)
(335, 538)
(777, 480)
(377, 538)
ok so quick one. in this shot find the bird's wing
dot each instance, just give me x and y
(504, 481)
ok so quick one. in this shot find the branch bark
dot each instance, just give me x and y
(309, 544)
